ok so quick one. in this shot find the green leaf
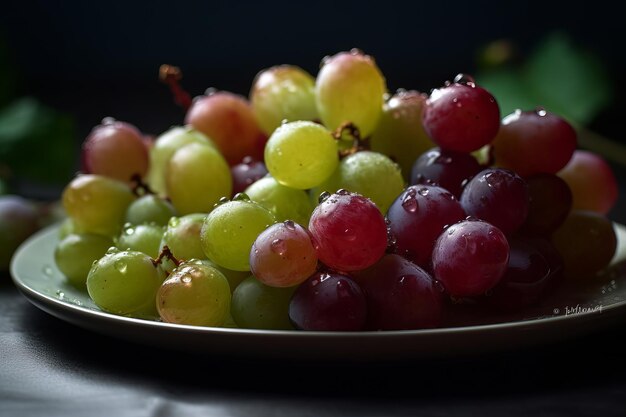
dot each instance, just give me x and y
(36, 142)
(558, 76)
(568, 80)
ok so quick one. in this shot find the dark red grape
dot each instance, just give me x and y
(534, 142)
(498, 196)
(461, 117)
(527, 278)
(400, 295)
(18, 220)
(349, 231)
(417, 218)
(328, 301)
(470, 257)
(550, 201)
(448, 169)
(246, 172)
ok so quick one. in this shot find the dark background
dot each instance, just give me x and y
(95, 59)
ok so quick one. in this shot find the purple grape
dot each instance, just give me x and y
(400, 295)
(448, 169)
(328, 302)
(497, 196)
(417, 218)
(246, 172)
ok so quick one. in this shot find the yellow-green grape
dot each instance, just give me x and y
(97, 204)
(230, 230)
(125, 283)
(182, 236)
(259, 306)
(350, 88)
(195, 294)
(148, 209)
(68, 226)
(301, 154)
(284, 202)
(75, 254)
(144, 238)
(280, 93)
(197, 177)
(400, 134)
(370, 174)
(164, 147)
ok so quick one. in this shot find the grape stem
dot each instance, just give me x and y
(166, 253)
(140, 188)
(171, 75)
(358, 144)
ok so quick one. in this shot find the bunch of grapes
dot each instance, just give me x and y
(326, 204)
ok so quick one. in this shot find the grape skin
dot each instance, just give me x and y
(259, 306)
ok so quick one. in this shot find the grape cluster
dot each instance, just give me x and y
(324, 203)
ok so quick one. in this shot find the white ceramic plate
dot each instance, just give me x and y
(35, 274)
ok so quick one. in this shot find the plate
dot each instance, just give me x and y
(574, 314)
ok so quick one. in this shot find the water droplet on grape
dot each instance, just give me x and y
(289, 224)
(173, 222)
(342, 191)
(278, 246)
(108, 121)
(186, 279)
(323, 197)
(409, 203)
(241, 197)
(112, 250)
(210, 91)
(540, 111)
(465, 79)
(423, 192)
(129, 230)
(121, 266)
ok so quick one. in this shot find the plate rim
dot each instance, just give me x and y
(36, 297)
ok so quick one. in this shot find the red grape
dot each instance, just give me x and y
(534, 142)
(498, 196)
(283, 255)
(228, 120)
(592, 182)
(470, 257)
(400, 295)
(417, 218)
(349, 231)
(461, 117)
(116, 150)
(328, 301)
(550, 201)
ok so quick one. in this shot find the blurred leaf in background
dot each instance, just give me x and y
(36, 141)
(558, 75)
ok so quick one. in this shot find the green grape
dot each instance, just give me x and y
(163, 149)
(125, 283)
(230, 230)
(283, 92)
(258, 306)
(195, 294)
(350, 88)
(197, 177)
(75, 254)
(68, 226)
(182, 236)
(301, 154)
(284, 202)
(399, 133)
(97, 204)
(144, 238)
(370, 174)
(234, 278)
(150, 208)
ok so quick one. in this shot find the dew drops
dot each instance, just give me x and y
(278, 246)
(423, 191)
(60, 295)
(112, 250)
(120, 266)
(241, 197)
(540, 111)
(186, 279)
(323, 197)
(409, 203)
(174, 221)
(289, 224)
